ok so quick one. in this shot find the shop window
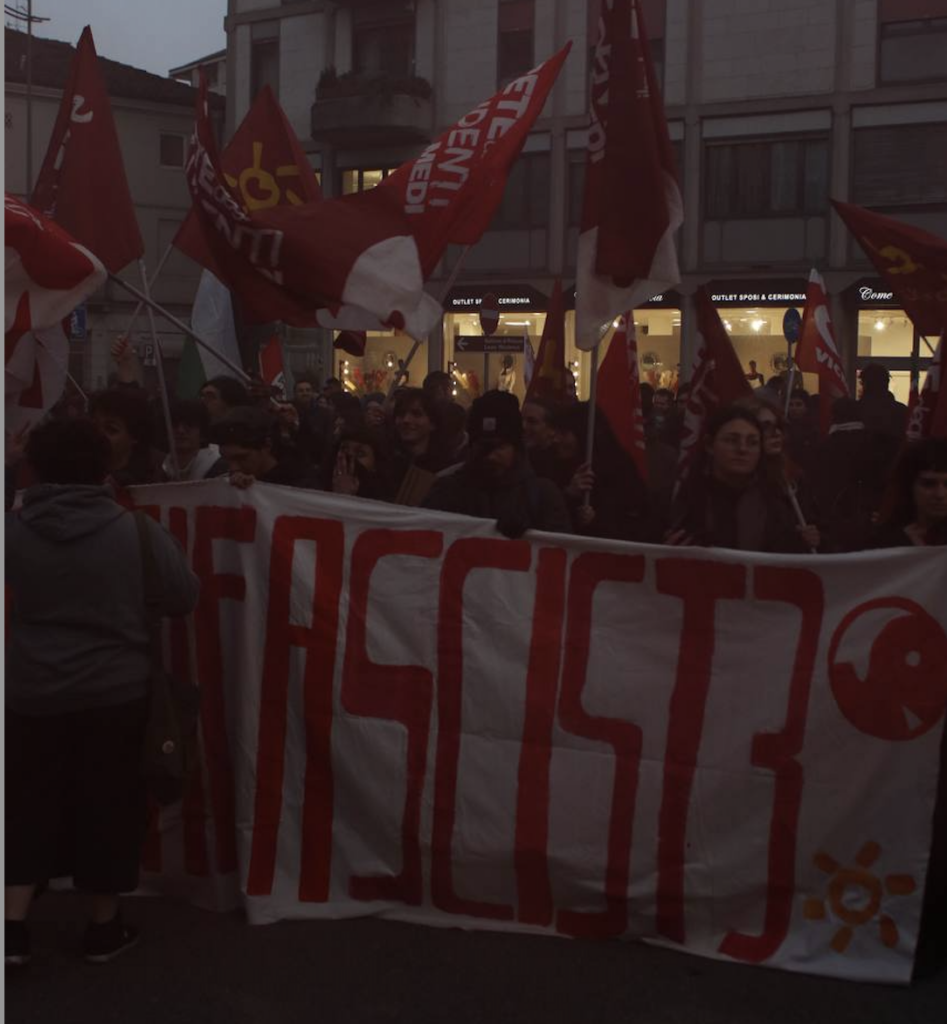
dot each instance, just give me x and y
(264, 57)
(912, 40)
(775, 178)
(885, 174)
(526, 197)
(515, 42)
(383, 39)
(361, 179)
(171, 150)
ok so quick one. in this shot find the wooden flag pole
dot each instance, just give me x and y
(403, 364)
(237, 371)
(162, 383)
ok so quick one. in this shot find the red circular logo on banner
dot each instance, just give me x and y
(489, 314)
(903, 692)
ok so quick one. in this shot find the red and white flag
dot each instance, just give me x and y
(632, 205)
(927, 415)
(452, 191)
(82, 184)
(46, 275)
(271, 364)
(618, 393)
(817, 352)
(716, 380)
(549, 380)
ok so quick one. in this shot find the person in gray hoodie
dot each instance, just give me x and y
(77, 676)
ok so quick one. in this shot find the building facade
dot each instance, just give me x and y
(773, 108)
(154, 118)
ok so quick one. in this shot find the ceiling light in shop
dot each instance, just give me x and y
(879, 325)
(758, 325)
(516, 323)
(728, 325)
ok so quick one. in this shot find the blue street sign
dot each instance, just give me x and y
(77, 323)
(792, 323)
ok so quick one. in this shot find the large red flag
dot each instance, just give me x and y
(549, 380)
(618, 393)
(716, 380)
(353, 251)
(912, 261)
(265, 163)
(927, 416)
(82, 183)
(632, 205)
(452, 191)
(271, 364)
(816, 351)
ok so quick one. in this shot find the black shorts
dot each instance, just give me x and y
(75, 799)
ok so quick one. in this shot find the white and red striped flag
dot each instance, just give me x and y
(927, 415)
(817, 352)
(618, 393)
(632, 205)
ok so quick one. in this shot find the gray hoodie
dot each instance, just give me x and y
(77, 633)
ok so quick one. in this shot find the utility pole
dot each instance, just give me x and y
(30, 19)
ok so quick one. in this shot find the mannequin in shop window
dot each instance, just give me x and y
(507, 379)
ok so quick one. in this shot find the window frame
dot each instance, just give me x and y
(927, 25)
(162, 135)
(504, 79)
(380, 20)
(800, 211)
(361, 172)
(528, 161)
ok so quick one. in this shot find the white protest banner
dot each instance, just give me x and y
(405, 714)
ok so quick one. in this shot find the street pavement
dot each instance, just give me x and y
(197, 967)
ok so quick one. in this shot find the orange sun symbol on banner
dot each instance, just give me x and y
(854, 896)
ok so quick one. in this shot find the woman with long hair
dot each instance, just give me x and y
(915, 510)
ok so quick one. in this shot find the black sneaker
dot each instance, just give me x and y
(104, 942)
(16, 944)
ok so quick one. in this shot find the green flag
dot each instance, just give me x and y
(191, 375)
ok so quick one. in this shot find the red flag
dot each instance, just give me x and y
(452, 191)
(618, 393)
(912, 262)
(353, 251)
(353, 342)
(927, 413)
(82, 183)
(548, 382)
(816, 351)
(632, 204)
(271, 364)
(265, 164)
(716, 380)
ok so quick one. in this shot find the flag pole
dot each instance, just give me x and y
(794, 501)
(159, 362)
(238, 371)
(404, 363)
(590, 438)
(65, 370)
(151, 284)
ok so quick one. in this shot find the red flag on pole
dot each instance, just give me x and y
(82, 184)
(618, 393)
(353, 251)
(265, 163)
(271, 364)
(716, 380)
(632, 205)
(452, 191)
(548, 381)
(927, 415)
(816, 351)
(912, 261)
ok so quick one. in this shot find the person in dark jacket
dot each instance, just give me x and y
(356, 466)
(248, 441)
(915, 508)
(126, 419)
(197, 459)
(496, 481)
(77, 673)
(726, 502)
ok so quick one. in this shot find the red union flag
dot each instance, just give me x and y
(355, 251)
(451, 192)
(912, 261)
(82, 183)
(271, 364)
(716, 380)
(928, 411)
(548, 382)
(266, 165)
(618, 393)
(632, 204)
(816, 351)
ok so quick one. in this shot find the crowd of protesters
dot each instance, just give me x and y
(763, 476)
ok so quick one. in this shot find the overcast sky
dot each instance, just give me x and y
(156, 35)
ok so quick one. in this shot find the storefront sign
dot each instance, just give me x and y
(872, 293)
(666, 300)
(513, 298)
(757, 298)
(473, 343)
(406, 714)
